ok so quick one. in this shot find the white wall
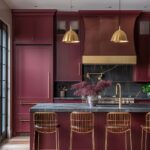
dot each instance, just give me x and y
(5, 16)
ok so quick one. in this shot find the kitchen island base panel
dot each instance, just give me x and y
(83, 142)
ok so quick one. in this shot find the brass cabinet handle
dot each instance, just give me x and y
(79, 68)
(48, 85)
(27, 103)
(24, 120)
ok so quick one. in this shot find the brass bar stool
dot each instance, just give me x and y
(145, 130)
(118, 122)
(82, 123)
(45, 123)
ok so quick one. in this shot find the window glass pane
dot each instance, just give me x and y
(0, 36)
(3, 114)
(4, 75)
(4, 55)
(3, 78)
(4, 39)
(3, 88)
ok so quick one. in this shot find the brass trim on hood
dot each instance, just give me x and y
(109, 60)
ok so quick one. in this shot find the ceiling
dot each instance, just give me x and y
(65, 5)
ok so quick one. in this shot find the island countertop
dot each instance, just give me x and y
(69, 107)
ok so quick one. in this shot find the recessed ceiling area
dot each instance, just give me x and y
(64, 5)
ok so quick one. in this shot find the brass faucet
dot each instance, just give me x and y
(118, 93)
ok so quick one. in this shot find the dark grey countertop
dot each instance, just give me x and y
(78, 98)
(69, 107)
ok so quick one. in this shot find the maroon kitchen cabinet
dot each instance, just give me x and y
(33, 81)
(33, 27)
(32, 59)
(68, 61)
(68, 56)
(142, 68)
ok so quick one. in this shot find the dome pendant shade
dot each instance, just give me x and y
(119, 36)
(70, 37)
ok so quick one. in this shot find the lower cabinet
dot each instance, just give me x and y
(33, 82)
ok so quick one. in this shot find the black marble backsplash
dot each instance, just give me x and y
(116, 73)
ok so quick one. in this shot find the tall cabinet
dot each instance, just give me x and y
(68, 56)
(33, 64)
(142, 69)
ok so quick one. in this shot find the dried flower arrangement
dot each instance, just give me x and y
(87, 89)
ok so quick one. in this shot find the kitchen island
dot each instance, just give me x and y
(83, 142)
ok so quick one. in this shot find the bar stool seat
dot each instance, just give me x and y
(45, 123)
(145, 130)
(117, 123)
(82, 123)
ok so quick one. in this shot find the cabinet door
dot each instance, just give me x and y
(142, 69)
(23, 28)
(33, 78)
(68, 61)
(33, 29)
(33, 71)
(43, 29)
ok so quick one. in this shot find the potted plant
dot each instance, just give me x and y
(146, 89)
(90, 90)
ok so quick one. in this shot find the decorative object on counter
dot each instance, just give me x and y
(146, 89)
(90, 90)
(62, 91)
(119, 36)
(70, 36)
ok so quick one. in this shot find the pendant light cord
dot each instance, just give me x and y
(119, 12)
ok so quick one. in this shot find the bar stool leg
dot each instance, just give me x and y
(142, 140)
(38, 141)
(93, 140)
(125, 140)
(106, 134)
(57, 139)
(71, 138)
(145, 140)
(130, 140)
(33, 146)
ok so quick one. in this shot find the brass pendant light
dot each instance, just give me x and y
(70, 36)
(119, 36)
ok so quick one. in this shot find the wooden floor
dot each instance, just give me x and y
(16, 143)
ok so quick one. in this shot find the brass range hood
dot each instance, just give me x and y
(98, 49)
(109, 60)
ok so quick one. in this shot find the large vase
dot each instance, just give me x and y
(92, 100)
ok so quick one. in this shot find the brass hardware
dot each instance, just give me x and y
(118, 122)
(46, 123)
(48, 85)
(82, 123)
(145, 130)
(118, 94)
(27, 103)
(79, 67)
(24, 120)
(109, 59)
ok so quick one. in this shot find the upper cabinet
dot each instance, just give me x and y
(142, 68)
(68, 56)
(32, 27)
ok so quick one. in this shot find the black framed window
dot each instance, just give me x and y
(3, 78)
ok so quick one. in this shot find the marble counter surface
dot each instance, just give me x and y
(69, 107)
